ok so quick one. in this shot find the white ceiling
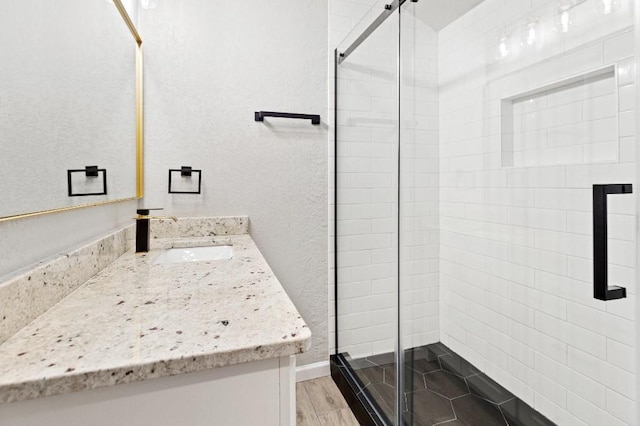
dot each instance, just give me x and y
(440, 13)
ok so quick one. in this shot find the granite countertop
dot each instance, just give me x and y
(135, 320)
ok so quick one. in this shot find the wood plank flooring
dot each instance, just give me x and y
(320, 403)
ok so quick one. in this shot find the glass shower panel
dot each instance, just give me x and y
(367, 212)
(418, 171)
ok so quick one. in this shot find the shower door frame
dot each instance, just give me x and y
(636, 29)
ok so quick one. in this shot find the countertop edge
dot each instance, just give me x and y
(82, 381)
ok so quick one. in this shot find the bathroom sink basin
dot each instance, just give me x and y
(194, 254)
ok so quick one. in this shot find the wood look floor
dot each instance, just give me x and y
(319, 403)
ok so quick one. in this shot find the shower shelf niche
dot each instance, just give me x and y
(571, 121)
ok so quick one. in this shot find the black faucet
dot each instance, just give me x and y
(142, 228)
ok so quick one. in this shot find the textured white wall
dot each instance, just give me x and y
(516, 242)
(67, 100)
(208, 67)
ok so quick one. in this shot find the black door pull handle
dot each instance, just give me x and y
(601, 288)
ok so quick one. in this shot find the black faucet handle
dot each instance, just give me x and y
(145, 212)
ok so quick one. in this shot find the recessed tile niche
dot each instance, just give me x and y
(572, 121)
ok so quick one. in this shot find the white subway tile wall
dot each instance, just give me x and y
(516, 236)
(572, 122)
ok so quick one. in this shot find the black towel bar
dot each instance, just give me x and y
(260, 115)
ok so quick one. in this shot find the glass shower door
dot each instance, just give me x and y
(367, 211)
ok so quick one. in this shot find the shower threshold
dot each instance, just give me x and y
(441, 388)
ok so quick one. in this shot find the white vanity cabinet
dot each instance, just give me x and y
(252, 394)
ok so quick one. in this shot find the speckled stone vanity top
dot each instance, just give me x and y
(136, 320)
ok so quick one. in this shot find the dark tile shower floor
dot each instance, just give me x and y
(441, 388)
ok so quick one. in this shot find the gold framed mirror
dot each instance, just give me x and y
(71, 96)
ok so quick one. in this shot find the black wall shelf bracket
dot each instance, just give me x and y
(89, 172)
(601, 288)
(260, 115)
(186, 172)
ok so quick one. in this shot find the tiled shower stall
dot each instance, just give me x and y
(468, 146)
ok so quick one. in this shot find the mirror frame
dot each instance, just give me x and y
(139, 128)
